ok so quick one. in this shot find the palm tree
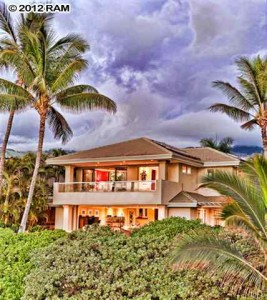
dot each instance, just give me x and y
(223, 145)
(248, 211)
(55, 64)
(248, 103)
(6, 26)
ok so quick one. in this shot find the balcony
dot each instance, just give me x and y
(108, 193)
(106, 186)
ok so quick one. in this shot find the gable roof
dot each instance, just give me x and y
(137, 149)
(189, 199)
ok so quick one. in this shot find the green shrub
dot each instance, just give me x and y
(15, 253)
(100, 264)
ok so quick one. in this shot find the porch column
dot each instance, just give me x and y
(67, 218)
(75, 217)
(162, 212)
(69, 173)
(162, 170)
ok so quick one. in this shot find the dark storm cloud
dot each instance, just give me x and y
(157, 59)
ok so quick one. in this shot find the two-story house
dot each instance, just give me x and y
(137, 181)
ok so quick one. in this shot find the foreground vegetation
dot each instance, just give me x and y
(217, 255)
(15, 187)
(100, 264)
(15, 254)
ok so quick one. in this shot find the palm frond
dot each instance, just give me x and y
(209, 142)
(13, 96)
(233, 112)
(247, 70)
(73, 41)
(248, 197)
(59, 125)
(256, 170)
(234, 216)
(86, 101)
(233, 94)
(250, 125)
(6, 23)
(68, 74)
(217, 256)
(77, 89)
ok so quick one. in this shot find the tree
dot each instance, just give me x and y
(224, 145)
(55, 64)
(7, 27)
(248, 211)
(248, 103)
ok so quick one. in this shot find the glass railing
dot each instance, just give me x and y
(106, 186)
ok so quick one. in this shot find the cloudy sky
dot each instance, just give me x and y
(156, 59)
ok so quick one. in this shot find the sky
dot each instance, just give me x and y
(156, 59)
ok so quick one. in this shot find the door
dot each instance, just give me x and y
(132, 216)
(153, 177)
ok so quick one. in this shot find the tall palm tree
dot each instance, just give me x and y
(55, 64)
(248, 211)
(248, 103)
(223, 145)
(7, 28)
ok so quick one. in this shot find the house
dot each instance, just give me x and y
(134, 182)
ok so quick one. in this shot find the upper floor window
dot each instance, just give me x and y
(186, 170)
(210, 172)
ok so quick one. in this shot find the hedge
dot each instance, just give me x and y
(100, 264)
(15, 254)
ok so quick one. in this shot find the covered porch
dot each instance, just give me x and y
(74, 217)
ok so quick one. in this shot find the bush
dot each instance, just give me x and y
(100, 264)
(15, 253)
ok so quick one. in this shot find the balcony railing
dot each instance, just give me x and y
(106, 186)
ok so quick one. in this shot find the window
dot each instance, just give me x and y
(210, 172)
(142, 212)
(186, 170)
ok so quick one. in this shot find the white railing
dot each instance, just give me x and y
(106, 186)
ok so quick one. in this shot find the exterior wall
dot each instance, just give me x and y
(163, 170)
(188, 182)
(173, 172)
(210, 216)
(59, 218)
(184, 212)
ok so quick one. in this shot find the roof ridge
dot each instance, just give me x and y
(175, 149)
(154, 142)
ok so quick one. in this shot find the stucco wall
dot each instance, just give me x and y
(173, 172)
(59, 218)
(188, 213)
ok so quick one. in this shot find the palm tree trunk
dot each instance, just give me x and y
(264, 140)
(24, 220)
(4, 146)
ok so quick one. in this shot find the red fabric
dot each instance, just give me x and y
(102, 176)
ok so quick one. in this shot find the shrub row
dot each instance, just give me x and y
(15, 254)
(100, 264)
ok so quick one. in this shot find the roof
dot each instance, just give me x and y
(188, 199)
(141, 149)
(209, 155)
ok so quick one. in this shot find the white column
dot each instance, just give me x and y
(67, 218)
(161, 212)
